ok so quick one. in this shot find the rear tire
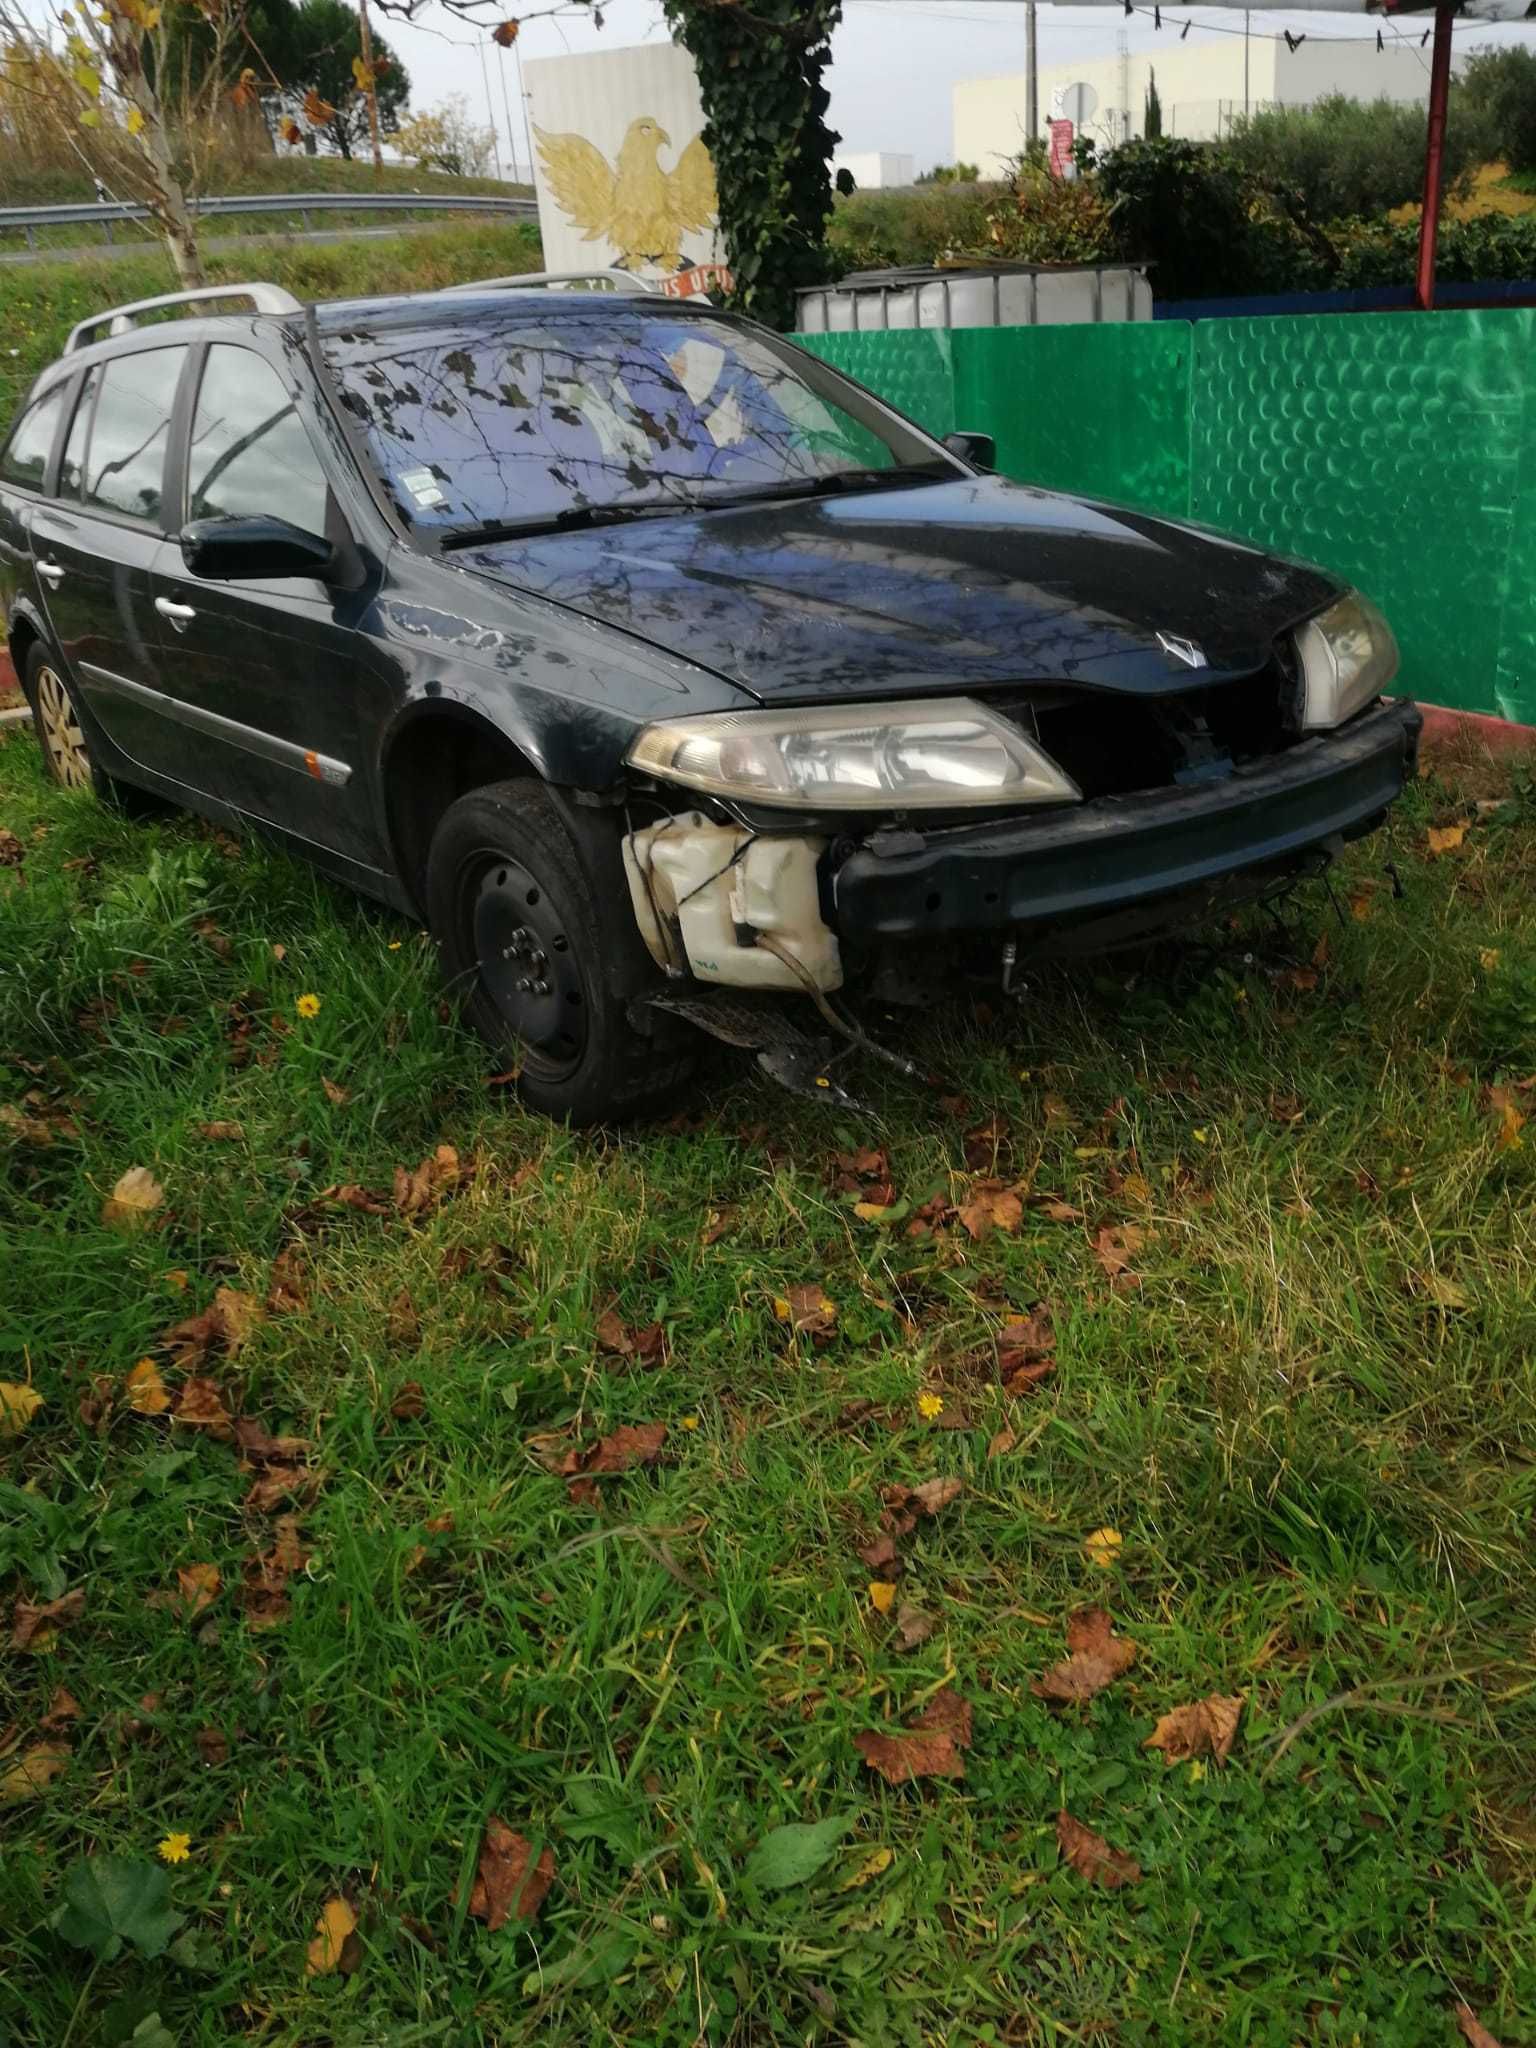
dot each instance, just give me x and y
(537, 936)
(69, 757)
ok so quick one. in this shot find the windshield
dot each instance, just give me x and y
(509, 418)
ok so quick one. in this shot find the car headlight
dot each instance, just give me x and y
(856, 757)
(1348, 656)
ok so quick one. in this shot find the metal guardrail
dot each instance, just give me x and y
(105, 213)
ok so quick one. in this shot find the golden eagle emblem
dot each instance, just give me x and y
(636, 206)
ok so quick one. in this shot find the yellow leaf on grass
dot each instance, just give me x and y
(882, 1595)
(328, 1951)
(1445, 838)
(32, 1772)
(132, 1200)
(875, 1864)
(135, 122)
(146, 1390)
(18, 1405)
(1488, 959)
(1100, 1548)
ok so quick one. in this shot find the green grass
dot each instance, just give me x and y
(23, 183)
(39, 303)
(1311, 1422)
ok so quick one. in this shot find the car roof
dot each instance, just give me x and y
(464, 303)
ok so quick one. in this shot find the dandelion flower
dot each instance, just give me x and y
(689, 1421)
(929, 1405)
(307, 1006)
(175, 1848)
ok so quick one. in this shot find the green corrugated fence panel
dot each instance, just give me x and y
(914, 371)
(1102, 411)
(1386, 447)
(1515, 683)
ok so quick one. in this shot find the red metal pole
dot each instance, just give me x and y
(1434, 154)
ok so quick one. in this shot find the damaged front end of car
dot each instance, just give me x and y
(894, 851)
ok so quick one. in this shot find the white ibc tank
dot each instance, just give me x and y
(1000, 295)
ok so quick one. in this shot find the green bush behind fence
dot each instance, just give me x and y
(1396, 449)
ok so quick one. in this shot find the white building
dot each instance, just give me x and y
(872, 168)
(1202, 87)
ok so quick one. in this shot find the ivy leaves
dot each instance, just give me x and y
(760, 74)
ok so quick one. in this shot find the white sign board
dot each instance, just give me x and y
(624, 180)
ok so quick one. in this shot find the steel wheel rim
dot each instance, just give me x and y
(62, 737)
(526, 961)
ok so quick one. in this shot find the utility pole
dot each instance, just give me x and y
(365, 37)
(1031, 71)
(490, 111)
(1247, 18)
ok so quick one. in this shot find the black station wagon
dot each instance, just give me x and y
(675, 679)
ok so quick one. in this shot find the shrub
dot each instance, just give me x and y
(1498, 90)
(874, 230)
(1342, 157)
(1186, 208)
(1041, 219)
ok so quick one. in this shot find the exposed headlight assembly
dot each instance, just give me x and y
(930, 755)
(1348, 656)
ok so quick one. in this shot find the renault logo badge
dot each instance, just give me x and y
(1190, 652)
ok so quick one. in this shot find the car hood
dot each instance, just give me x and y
(944, 586)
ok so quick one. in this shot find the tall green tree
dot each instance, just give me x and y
(1152, 119)
(324, 57)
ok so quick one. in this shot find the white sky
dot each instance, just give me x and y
(893, 61)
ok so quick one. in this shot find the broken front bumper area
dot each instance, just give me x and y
(1117, 852)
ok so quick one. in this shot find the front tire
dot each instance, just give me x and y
(546, 955)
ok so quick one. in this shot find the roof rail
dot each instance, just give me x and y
(593, 280)
(264, 298)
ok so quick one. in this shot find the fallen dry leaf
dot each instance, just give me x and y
(402, 1322)
(1473, 2029)
(34, 1624)
(198, 1585)
(1092, 1857)
(415, 1192)
(336, 1949)
(1102, 1546)
(32, 1772)
(335, 1094)
(1025, 1340)
(134, 1198)
(906, 1506)
(1208, 1727)
(1054, 1209)
(808, 1310)
(881, 1555)
(505, 1887)
(200, 1405)
(615, 1336)
(286, 1293)
(224, 1325)
(18, 1405)
(212, 1746)
(631, 1444)
(913, 1626)
(931, 1749)
(1002, 1443)
(219, 1132)
(882, 1595)
(1114, 1247)
(1097, 1657)
(12, 852)
(1511, 1114)
(410, 1402)
(145, 1389)
(989, 1206)
(1444, 838)
(62, 1709)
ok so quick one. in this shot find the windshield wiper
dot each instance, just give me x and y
(567, 520)
(574, 517)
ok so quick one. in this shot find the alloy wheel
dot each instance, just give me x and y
(62, 737)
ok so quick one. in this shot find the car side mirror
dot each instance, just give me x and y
(230, 550)
(980, 450)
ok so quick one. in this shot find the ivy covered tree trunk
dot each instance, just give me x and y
(760, 65)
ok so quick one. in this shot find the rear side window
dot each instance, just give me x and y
(72, 468)
(125, 465)
(26, 457)
(250, 454)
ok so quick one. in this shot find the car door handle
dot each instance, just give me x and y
(53, 573)
(178, 614)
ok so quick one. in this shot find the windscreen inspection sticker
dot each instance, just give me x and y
(422, 485)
